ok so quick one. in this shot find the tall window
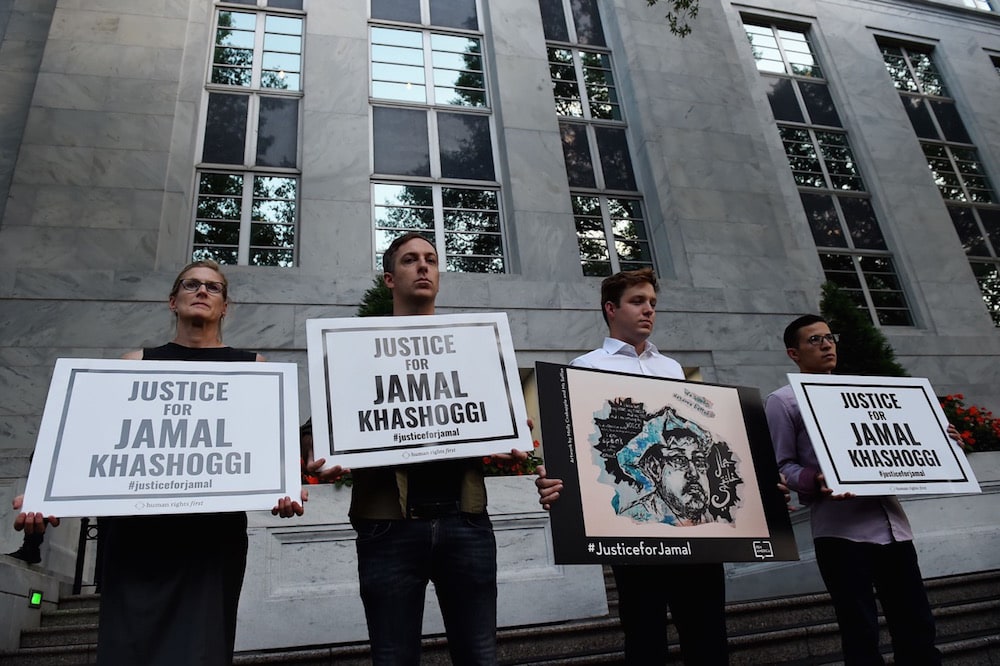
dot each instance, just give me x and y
(248, 177)
(852, 249)
(953, 161)
(607, 206)
(432, 128)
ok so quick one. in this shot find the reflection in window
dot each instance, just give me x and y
(869, 278)
(597, 97)
(834, 198)
(237, 62)
(398, 60)
(261, 234)
(611, 234)
(463, 222)
(952, 159)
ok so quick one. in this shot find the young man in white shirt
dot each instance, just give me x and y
(694, 593)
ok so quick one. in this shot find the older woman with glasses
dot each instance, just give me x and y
(171, 583)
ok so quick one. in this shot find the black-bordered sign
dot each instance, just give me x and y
(659, 471)
(154, 437)
(881, 435)
(400, 390)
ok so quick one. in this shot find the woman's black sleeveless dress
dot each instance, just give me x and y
(171, 584)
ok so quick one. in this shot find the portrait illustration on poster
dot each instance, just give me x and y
(657, 469)
(665, 468)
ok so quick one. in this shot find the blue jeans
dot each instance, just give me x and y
(396, 558)
(854, 573)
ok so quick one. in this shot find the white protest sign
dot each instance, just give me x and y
(153, 437)
(881, 435)
(393, 390)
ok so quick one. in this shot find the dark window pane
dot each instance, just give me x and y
(895, 63)
(397, 10)
(926, 72)
(576, 151)
(217, 233)
(472, 244)
(839, 161)
(400, 138)
(588, 22)
(616, 164)
(221, 255)
(285, 4)
(950, 122)
(819, 104)
(823, 220)
(802, 157)
(454, 14)
(267, 257)
(920, 117)
(991, 222)
(862, 224)
(272, 235)
(968, 231)
(988, 277)
(466, 149)
(553, 20)
(278, 132)
(220, 183)
(218, 208)
(474, 264)
(225, 129)
(781, 95)
(894, 317)
(972, 174)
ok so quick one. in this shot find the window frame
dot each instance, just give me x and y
(433, 109)
(964, 200)
(248, 170)
(837, 186)
(591, 125)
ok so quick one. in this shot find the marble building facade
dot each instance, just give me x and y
(107, 121)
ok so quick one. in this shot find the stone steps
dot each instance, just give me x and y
(791, 631)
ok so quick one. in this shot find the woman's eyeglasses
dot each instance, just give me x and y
(190, 284)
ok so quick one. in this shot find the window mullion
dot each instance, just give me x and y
(434, 150)
(958, 174)
(609, 233)
(821, 157)
(437, 201)
(253, 122)
(595, 156)
(429, 92)
(581, 83)
(246, 215)
(865, 290)
(258, 51)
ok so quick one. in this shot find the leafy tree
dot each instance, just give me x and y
(377, 301)
(679, 12)
(863, 349)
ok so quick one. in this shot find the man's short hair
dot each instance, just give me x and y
(613, 287)
(791, 336)
(389, 256)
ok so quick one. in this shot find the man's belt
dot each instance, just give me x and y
(428, 510)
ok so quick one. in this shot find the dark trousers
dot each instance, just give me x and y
(854, 573)
(396, 559)
(696, 596)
